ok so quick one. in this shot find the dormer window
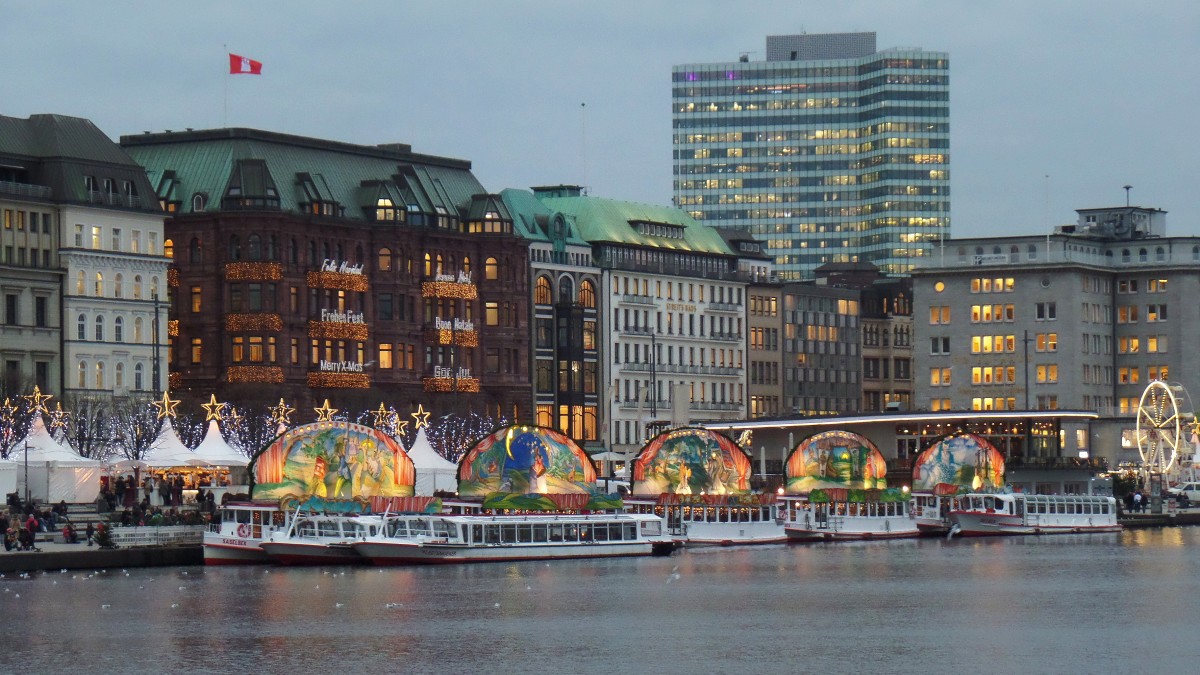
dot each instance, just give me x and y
(666, 230)
(251, 187)
(319, 197)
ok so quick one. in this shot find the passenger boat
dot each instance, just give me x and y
(842, 514)
(931, 513)
(244, 526)
(450, 539)
(716, 520)
(321, 538)
(1020, 513)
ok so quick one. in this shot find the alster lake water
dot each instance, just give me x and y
(1110, 603)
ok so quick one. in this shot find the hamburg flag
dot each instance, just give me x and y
(240, 65)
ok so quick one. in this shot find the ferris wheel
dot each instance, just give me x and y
(1163, 424)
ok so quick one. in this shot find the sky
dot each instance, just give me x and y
(1055, 106)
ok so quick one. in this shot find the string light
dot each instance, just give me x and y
(445, 336)
(174, 380)
(421, 416)
(338, 281)
(324, 413)
(173, 277)
(173, 328)
(337, 330)
(281, 412)
(339, 381)
(255, 374)
(212, 409)
(166, 407)
(59, 418)
(449, 289)
(236, 323)
(253, 271)
(37, 400)
(441, 384)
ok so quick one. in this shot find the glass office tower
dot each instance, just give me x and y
(828, 151)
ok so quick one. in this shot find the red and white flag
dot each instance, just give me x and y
(240, 65)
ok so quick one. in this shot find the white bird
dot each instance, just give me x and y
(183, 588)
(497, 605)
(317, 586)
(338, 604)
(105, 606)
(17, 595)
(174, 605)
(392, 605)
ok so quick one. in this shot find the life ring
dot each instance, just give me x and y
(243, 530)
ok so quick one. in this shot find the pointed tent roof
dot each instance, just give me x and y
(425, 458)
(215, 451)
(167, 449)
(42, 447)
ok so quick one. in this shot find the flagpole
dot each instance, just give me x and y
(225, 95)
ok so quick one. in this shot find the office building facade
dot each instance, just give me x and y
(827, 151)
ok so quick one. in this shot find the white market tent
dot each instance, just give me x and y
(167, 450)
(8, 477)
(434, 472)
(214, 451)
(56, 473)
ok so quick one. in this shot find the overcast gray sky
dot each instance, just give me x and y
(1054, 105)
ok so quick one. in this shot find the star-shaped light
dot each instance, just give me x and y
(37, 400)
(59, 418)
(166, 407)
(212, 409)
(280, 413)
(7, 410)
(421, 416)
(234, 417)
(325, 413)
(400, 426)
(382, 415)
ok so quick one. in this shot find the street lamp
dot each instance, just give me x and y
(27, 472)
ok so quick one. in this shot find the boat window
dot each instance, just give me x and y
(491, 534)
(525, 533)
(556, 532)
(585, 532)
(600, 531)
(328, 528)
(628, 531)
(571, 533)
(539, 533)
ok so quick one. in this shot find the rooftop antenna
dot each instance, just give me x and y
(583, 143)
(1127, 189)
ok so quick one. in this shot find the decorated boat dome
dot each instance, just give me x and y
(691, 461)
(525, 460)
(333, 460)
(835, 459)
(959, 460)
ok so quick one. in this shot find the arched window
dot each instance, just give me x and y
(1142, 256)
(119, 375)
(294, 252)
(81, 381)
(137, 287)
(199, 201)
(195, 251)
(428, 265)
(100, 329)
(1196, 253)
(466, 265)
(341, 254)
(1031, 252)
(439, 266)
(1014, 254)
(79, 283)
(385, 259)
(273, 248)
(139, 382)
(978, 250)
(81, 328)
(254, 247)
(566, 291)
(169, 248)
(154, 287)
(491, 270)
(118, 281)
(358, 254)
(137, 330)
(541, 292)
(100, 375)
(1124, 255)
(312, 254)
(587, 294)
(99, 290)
(325, 250)
(235, 248)
(1159, 254)
(118, 329)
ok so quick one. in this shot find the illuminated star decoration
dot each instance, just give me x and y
(234, 418)
(166, 407)
(421, 416)
(280, 413)
(212, 409)
(37, 400)
(382, 417)
(325, 413)
(401, 426)
(1195, 425)
(7, 411)
(59, 418)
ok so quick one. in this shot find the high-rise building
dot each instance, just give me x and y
(827, 151)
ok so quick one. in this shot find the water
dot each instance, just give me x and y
(1072, 603)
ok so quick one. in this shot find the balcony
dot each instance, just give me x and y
(726, 337)
(114, 199)
(255, 374)
(253, 271)
(330, 380)
(338, 330)
(8, 188)
(445, 384)
(636, 299)
(713, 405)
(259, 322)
(342, 281)
(724, 307)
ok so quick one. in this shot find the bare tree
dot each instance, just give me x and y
(137, 425)
(91, 430)
(249, 430)
(452, 435)
(190, 427)
(15, 420)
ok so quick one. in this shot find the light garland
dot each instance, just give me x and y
(174, 380)
(253, 271)
(449, 289)
(336, 330)
(442, 384)
(256, 374)
(339, 381)
(338, 280)
(173, 277)
(445, 336)
(173, 328)
(236, 323)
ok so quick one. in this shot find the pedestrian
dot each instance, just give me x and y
(1137, 501)
(90, 531)
(119, 490)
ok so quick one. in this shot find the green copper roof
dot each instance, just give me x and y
(533, 220)
(611, 221)
(187, 163)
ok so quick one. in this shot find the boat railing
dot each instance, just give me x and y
(151, 535)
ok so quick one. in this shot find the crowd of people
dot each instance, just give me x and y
(22, 522)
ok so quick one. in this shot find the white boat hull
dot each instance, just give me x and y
(972, 524)
(311, 553)
(732, 534)
(851, 528)
(226, 549)
(401, 553)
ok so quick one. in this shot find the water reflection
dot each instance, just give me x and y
(1041, 604)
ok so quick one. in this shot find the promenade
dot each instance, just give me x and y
(56, 556)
